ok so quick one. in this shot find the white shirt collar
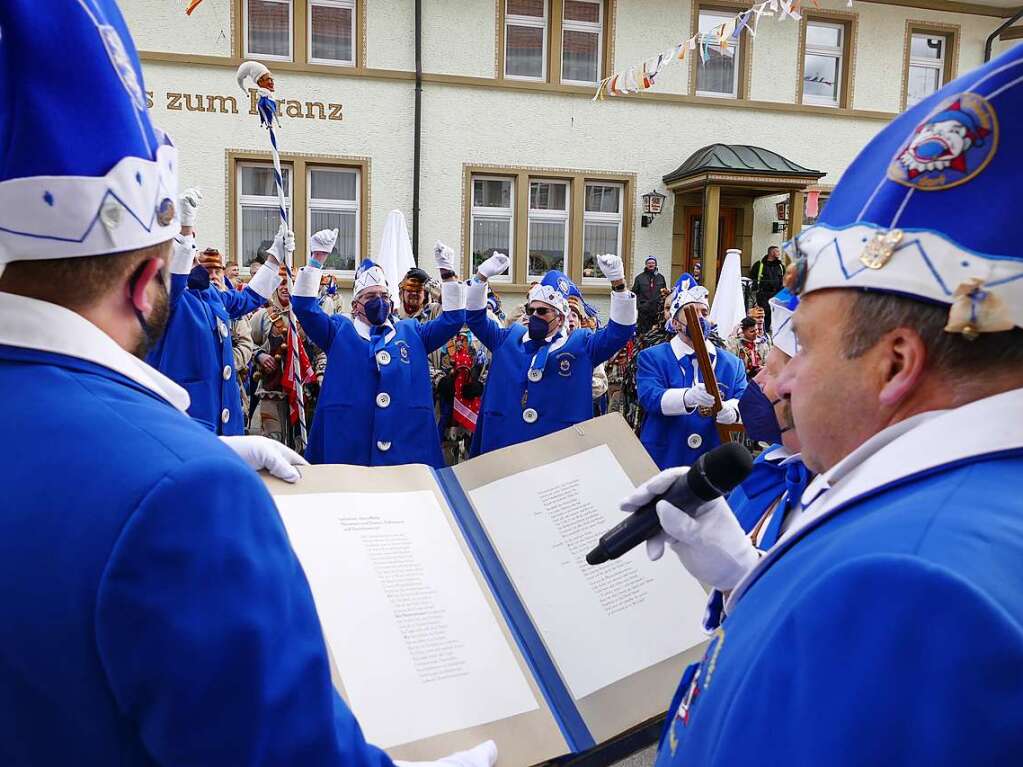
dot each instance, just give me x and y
(909, 447)
(682, 349)
(363, 329)
(33, 324)
(782, 456)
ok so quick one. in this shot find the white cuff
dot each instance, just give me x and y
(452, 296)
(673, 402)
(182, 254)
(265, 282)
(623, 307)
(476, 296)
(307, 284)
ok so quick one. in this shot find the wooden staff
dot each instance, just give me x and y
(706, 366)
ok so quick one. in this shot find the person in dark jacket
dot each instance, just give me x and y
(767, 275)
(650, 288)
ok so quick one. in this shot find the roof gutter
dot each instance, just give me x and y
(1004, 26)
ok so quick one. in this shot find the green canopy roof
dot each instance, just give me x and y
(738, 158)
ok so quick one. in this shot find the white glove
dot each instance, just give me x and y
(711, 546)
(264, 453)
(728, 414)
(483, 755)
(697, 396)
(495, 265)
(182, 254)
(611, 266)
(284, 242)
(188, 205)
(444, 256)
(323, 241)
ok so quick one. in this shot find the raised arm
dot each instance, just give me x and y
(320, 327)
(603, 344)
(489, 332)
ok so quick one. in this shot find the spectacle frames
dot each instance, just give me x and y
(541, 311)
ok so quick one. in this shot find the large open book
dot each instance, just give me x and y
(457, 604)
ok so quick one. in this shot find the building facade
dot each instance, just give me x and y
(513, 152)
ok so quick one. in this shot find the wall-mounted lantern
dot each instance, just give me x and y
(653, 204)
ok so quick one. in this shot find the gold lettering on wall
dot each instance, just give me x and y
(228, 105)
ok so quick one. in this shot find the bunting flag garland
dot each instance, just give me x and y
(724, 38)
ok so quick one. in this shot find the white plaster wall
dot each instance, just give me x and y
(460, 37)
(776, 65)
(391, 30)
(377, 124)
(158, 25)
(645, 28)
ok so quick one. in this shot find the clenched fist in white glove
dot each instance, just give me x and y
(711, 545)
(728, 414)
(483, 755)
(188, 206)
(284, 243)
(493, 266)
(444, 256)
(264, 453)
(322, 243)
(611, 266)
(697, 396)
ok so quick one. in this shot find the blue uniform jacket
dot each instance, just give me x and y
(153, 610)
(764, 485)
(888, 631)
(375, 410)
(563, 397)
(666, 437)
(196, 353)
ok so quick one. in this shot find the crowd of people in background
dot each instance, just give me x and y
(480, 381)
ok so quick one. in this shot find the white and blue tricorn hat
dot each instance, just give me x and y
(783, 306)
(83, 172)
(551, 296)
(368, 275)
(930, 208)
(694, 294)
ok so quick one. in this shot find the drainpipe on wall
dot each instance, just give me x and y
(991, 38)
(418, 129)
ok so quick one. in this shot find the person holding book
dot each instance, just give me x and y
(154, 611)
(376, 403)
(541, 376)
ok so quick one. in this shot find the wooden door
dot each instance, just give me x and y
(693, 243)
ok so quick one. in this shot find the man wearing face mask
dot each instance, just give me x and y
(376, 404)
(154, 611)
(767, 498)
(679, 427)
(541, 377)
(197, 350)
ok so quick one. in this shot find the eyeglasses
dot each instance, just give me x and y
(541, 311)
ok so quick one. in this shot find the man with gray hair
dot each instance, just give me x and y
(886, 624)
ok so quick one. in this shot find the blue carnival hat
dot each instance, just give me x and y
(82, 170)
(368, 275)
(930, 208)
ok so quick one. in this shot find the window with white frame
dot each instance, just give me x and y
(334, 204)
(492, 220)
(525, 39)
(823, 61)
(717, 61)
(602, 225)
(258, 211)
(548, 227)
(332, 32)
(268, 29)
(581, 41)
(927, 53)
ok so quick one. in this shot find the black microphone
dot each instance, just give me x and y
(714, 474)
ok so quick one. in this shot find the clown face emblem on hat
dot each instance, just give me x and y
(954, 144)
